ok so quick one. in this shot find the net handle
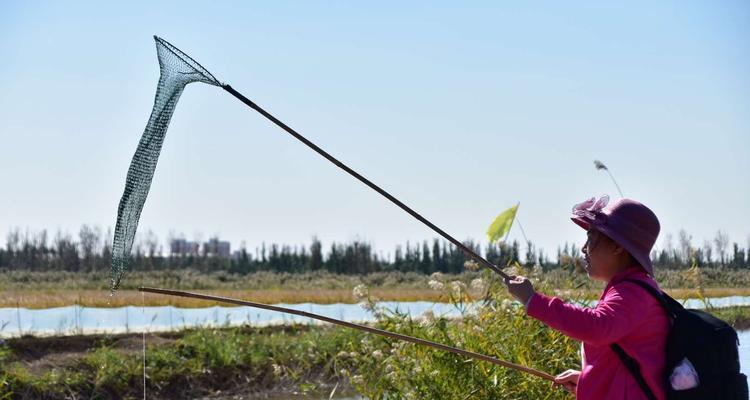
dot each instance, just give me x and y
(471, 253)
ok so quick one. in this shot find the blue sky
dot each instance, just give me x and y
(460, 110)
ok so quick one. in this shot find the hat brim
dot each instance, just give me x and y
(643, 259)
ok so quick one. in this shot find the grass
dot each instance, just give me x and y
(184, 365)
(738, 316)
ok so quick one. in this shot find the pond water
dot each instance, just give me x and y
(88, 320)
(745, 352)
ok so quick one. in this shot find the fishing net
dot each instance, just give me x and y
(177, 69)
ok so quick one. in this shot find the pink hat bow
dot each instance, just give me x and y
(591, 208)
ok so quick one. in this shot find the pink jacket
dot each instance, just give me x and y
(625, 314)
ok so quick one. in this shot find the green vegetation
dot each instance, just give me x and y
(314, 358)
(183, 365)
(738, 316)
(403, 371)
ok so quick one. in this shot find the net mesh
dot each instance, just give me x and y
(177, 69)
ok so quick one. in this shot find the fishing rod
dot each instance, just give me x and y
(376, 331)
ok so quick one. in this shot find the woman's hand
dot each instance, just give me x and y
(568, 380)
(521, 288)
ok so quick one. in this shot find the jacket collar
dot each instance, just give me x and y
(635, 272)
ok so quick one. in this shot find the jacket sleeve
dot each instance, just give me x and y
(617, 314)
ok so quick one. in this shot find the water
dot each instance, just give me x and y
(717, 302)
(745, 352)
(87, 320)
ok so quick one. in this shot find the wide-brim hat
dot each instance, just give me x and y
(629, 223)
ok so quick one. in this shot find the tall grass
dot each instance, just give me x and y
(384, 369)
(497, 327)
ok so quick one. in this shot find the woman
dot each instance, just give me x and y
(619, 240)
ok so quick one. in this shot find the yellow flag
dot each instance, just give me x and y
(501, 225)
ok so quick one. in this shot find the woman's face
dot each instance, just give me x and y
(600, 254)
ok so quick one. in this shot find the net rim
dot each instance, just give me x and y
(187, 59)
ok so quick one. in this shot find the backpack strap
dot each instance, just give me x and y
(658, 295)
(631, 363)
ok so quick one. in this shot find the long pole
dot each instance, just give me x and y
(365, 328)
(471, 253)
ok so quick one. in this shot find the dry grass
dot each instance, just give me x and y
(38, 299)
(101, 298)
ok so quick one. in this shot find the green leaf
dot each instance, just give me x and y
(501, 225)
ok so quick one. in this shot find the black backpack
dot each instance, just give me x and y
(708, 342)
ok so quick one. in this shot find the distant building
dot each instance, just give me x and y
(183, 248)
(217, 248)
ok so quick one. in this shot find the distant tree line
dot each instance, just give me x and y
(91, 251)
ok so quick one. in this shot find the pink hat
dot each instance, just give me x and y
(628, 222)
